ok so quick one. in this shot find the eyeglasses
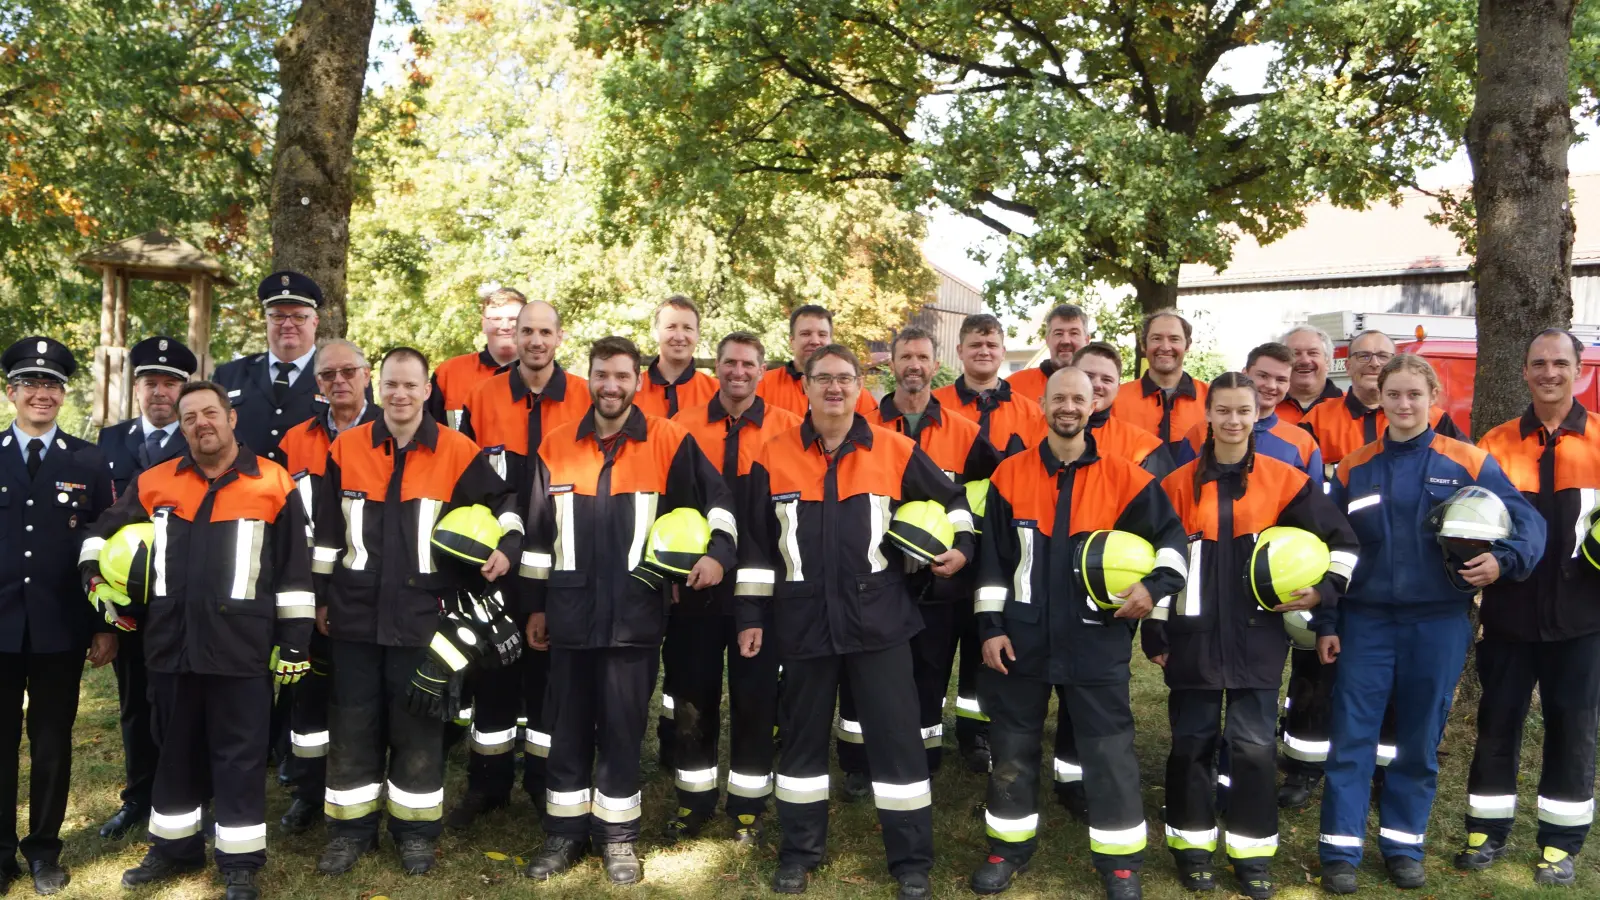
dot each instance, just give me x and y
(1366, 356)
(843, 381)
(278, 318)
(501, 321)
(35, 384)
(348, 373)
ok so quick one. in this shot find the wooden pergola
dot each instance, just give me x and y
(152, 256)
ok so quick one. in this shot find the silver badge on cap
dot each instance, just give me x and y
(285, 282)
(162, 345)
(43, 347)
(161, 359)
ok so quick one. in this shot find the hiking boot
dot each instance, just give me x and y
(1338, 878)
(857, 786)
(686, 823)
(342, 852)
(790, 878)
(1122, 884)
(995, 875)
(156, 867)
(557, 855)
(241, 884)
(621, 863)
(300, 816)
(472, 805)
(1481, 852)
(978, 755)
(1555, 869)
(1405, 872)
(914, 886)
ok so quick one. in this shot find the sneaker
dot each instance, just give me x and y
(556, 856)
(914, 886)
(621, 863)
(1481, 852)
(1122, 884)
(155, 868)
(1405, 872)
(1255, 881)
(1338, 878)
(472, 805)
(857, 786)
(686, 823)
(416, 855)
(1555, 868)
(995, 875)
(978, 755)
(790, 878)
(241, 884)
(342, 852)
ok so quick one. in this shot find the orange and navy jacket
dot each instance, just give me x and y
(1282, 442)
(305, 454)
(376, 510)
(781, 388)
(1114, 437)
(956, 447)
(1292, 413)
(509, 421)
(588, 526)
(1010, 422)
(731, 444)
(816, 548)
(454, 381)
(1341, 428)
(1034, 523)
(1216, 636)
(1560, 475)
(659, 397)
(1143, 403)
(230, 570)
(1028, 384)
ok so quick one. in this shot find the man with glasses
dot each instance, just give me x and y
(52, 485)
(456, 377)
(160, 367)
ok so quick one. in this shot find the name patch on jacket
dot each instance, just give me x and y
(560, 489)
(1024, 523)
(786, 498)
(353, 495)
(1449, 481)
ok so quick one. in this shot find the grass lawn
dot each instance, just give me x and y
(480, 864)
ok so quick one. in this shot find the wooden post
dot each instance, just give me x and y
(200, 323)
(102, 373)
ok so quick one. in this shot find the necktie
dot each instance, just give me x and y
(280, 385)
(152, 445)
(35, 456)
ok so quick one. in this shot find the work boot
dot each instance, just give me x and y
(155, 868)
(1075, 798)
(1122, 884)
(856, 786)
(686, 823)
(1195, 872)
(1338, 878)
(1405, 872)
(747, 833)
(8, 874)
(125, 821)
(995, 875)
(416, 855)
(789, 879)
(342, 852)
(241, 884)
(1481, 853)
(978, 755)
(556, 856)
(914, 886)
(1255, 880)
(1296, 790)
(622, 863)
(300, 816)
(1555, 869)
(472, 804)
(48, 877)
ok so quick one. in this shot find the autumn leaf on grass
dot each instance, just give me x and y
(853, 879)
(496, 855)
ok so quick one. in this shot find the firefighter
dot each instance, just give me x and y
(1166, 401)
(1269, 367)
(343, 376)
(1217, 641)
(229, 613)
(52, 486)
(955, 446)
(1402, 629)
(670, 383)
(386, 485)
(1543, 632)
(160, 367)
(810, 329)
(1041, 628)
(730, 429)
(605, 479)
(509, 415)
(455, 378)
(815, 550)
(1309, 383)
(1068, 330)
(1005, 418)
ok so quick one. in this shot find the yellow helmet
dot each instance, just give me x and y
(1284, 561)
(922, 529)
(677, 541)
(1112, 561)
(468, 532)
(125, 560)
(1591, 539)
(978, 501)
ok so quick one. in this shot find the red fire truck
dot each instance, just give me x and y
(1451, 344)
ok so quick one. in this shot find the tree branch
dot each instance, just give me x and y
(1222, 104)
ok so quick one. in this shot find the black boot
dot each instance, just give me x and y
(125, 821)
(342, 852)
(1338, 878)
(416, 855)
(241, 884)
(622, 863)
(156, 868)
(747, 832)
(48, 877)
(1122, 884)
(1296, 790)
(300, 816)
(914, 886)
(556, 856)
(856, 786)
(1480, 853)
(790, 878)
(1255, 880)
(1195, 872)
(977, 754)
(1405, 872)
(685, 824)
(995, 875)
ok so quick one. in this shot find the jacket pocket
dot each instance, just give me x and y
(887, 612)
(567, 608)
(799, 619)
(641, 615)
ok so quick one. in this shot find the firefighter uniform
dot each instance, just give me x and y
(305, 454)
(1005, 418)
(702, 629)
(509, 422)
(376, 510)
(1291, 412)
(454, 381)
(659, 397)
(1403, 629)
(1221, 645)
(1543, 632)
(1145, 404)
(45, 622)
(1342, 428)
(1028, 384)
(230, 581)
(781, 388)
(130, 447)
(815, 548)
(587, 530)
(1274, 439)
(1037, 514)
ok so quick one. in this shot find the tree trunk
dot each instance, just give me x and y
(1154, 295)
(1517, 139)
(322, 62)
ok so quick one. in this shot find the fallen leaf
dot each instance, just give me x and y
(496, 855)
(853, 879)
(519, 861)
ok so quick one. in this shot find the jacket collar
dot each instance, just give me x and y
(1421, 442)
(1099, 419)
(791, 371)
(715, 412)
(860, 433)
(1355, 407)
(555, 388)
(633, 428)
(1185, 385)
(657, 378)
(487, 360)
(323, 421)
(1576, 421)
(1265, 423)
(1001, 393)
(1213, 470)
(890, 412)
(427, 432)
(245, 463)
(1053, 466)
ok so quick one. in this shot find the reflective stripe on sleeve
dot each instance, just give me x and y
(1169, 558)
(721, 520)
(750, 582)
(297, 605)
(322, 559)
(510, 521)
(1361, 503)
(90, 551)
(1342, 562)
(989, 600)
(961, 520)
(534, 565)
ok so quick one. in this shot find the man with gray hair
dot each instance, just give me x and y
(1309, 383)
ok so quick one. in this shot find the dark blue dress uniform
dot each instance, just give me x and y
(266, 413)
(129, 450)
(45, 620)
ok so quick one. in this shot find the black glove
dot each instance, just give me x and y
(426, 695)
(435, 689)
(499, 637)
